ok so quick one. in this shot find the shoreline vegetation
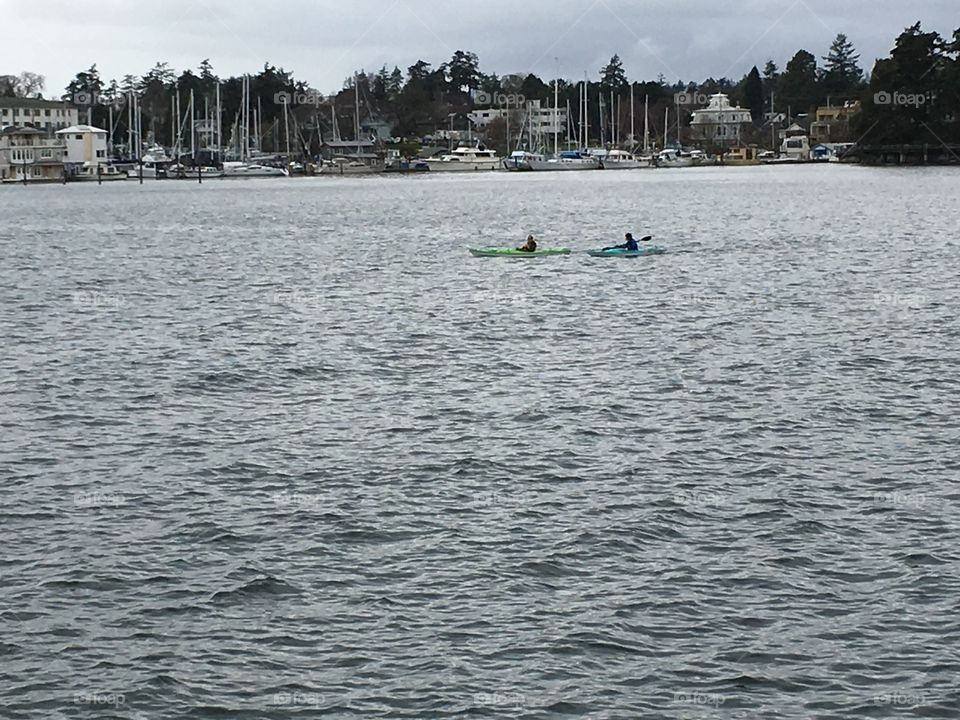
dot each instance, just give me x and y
(908, 105)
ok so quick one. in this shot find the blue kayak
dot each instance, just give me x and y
(619, 252)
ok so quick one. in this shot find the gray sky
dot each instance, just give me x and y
(323, 42)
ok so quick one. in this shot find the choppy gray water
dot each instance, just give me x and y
(282, 449)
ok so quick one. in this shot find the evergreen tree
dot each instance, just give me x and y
(753, 95)
(911, 93)
(85, 88)
(464, 71)
(380, 82)
(798, 84)
(612, 76)
(771, 78)
(841, 73)
(395, 83)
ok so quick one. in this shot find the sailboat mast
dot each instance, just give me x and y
(356, 111)
(193, 128)
(139, 117)
(257, 125)
(619, 112)
(586, 113)
(580, 117)
(666, 124)
(679, 144)
(603, 122)
(179, 125)
(613, 122)
(556, 117)
(243, 120)
(633, 136)
(286, 128)
(646, 124)
(219, 123)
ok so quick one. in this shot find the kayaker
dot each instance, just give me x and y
(630, 245)
(529, 246)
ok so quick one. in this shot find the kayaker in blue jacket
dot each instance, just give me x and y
(630, 245)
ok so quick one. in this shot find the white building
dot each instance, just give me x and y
(720, 122)
(541, 120)
(46, 115)
(85, 145)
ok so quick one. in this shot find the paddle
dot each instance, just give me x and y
(646, 238)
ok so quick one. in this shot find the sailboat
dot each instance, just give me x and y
(618, 159)
(346, 165)
(567, 160)
(246, 166)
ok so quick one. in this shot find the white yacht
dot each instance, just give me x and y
(155, 162)
(183, 172)
(567, 160)
(94, 172)
(465, 159)
(346, 166)
(672, 157)
(622, 160)
(520, 160)
(245, 169)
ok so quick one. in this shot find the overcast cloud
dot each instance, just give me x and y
(323, 42)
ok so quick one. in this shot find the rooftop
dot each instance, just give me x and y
(82, 129)
(15, 102)
(13, 130)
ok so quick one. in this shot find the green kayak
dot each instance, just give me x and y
(513, 252)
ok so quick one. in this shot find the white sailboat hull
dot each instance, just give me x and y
(564, 164)
(626, 165)
(457, 166)
(246, 170)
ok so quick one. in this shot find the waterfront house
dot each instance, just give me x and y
(85, 145)
(28, 154)
(365, 150)
(832, 123)
(720, 122)
(46, 115)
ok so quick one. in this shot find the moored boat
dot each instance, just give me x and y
(465, 159)
(567, 160)
(622, 160)
(244, 169)
(519, 160)
(345, 166)
(673, 157)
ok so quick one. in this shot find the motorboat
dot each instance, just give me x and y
(465, 159)
(675, 157)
